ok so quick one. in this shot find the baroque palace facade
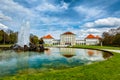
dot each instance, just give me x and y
(69, 38)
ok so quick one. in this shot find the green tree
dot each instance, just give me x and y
(1, 36)
(13, 38)
(41, 41)
(116, 40)
(107, 39)
(6, 38)
(112, 37)
(34, 40)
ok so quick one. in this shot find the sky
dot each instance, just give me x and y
(55, 17)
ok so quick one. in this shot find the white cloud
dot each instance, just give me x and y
(2, 26)
(46, 7)
(43, 32)
(99, 26)
(92, 31)
(4, 17)
(64, 5)
(14, 8)
(84, 32)
(31, 1)
(17, 12)
(106, 22)
(111, 21)
(42, 23)
(49, 20)
(89, 24)
(90, 12)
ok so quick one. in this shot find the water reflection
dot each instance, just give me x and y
(48, 52)
(12, 62)
(67, 52)
(95, 55)
(90, 52)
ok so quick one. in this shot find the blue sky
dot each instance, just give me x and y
(54, 17)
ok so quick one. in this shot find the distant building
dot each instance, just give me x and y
(48, 39)
(80, 42)
(56, 42)
(67, 38)
(92, 40)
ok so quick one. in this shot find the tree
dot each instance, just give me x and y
(6, 38)
(1, 36)
(116, 40)
(112, 37)
(41, 41)
(13, 38)
(107, 38)
(34, 39)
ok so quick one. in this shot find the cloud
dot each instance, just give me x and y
(99, 26)
(31, 1)
(17, 12)
(2, 26)
(4, 17)
(14, 9)
(90, 12)
(46, 6)
(58, 16)
(84, 32)
(64, 5)
(102, 23)
(92, 31)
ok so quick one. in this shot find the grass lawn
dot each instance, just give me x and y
(105, 70)
(5, 45)
(97, 47)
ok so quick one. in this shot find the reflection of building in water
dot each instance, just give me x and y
(93, 52)
(48, 52)
(67, 52)
(94, 55)
(90, 52)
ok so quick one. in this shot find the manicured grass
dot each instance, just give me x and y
(105, 70)
(5, 45)
(97, 47)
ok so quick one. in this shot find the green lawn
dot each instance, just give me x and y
(105, 70)
(5, 45)
(97, 47)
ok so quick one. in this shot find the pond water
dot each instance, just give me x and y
(55, 58)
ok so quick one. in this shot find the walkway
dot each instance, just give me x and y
(117, 51)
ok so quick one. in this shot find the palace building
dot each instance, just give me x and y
(92, 40)
(48, 39)
(69, 38)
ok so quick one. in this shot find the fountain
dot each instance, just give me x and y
(24, 34)
(23, 43)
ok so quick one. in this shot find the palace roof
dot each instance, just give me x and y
(68, 33)
(91, 36)
(47, 37)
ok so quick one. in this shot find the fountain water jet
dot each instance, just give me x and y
(24, 34)
(23, 43)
